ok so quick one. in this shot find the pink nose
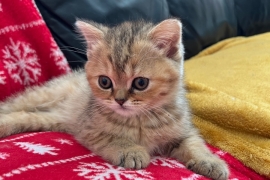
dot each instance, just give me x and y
(120, 101)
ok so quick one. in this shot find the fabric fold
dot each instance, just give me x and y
(228, 89)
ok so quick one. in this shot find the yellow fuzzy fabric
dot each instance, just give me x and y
(229, 91)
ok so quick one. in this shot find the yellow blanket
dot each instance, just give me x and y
(229, 92)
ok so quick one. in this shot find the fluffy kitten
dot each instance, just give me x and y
(128, 103)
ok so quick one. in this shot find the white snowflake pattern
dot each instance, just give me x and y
(102, 171)
(2, 78)
(1, 9)
(64, 141)
(192, 177)
(30, 167)
(21, 62)
(37, 148)
(221, 153)
(3, 155)
(59, 57)
(166, 162)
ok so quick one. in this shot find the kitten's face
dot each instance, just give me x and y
(129, 74)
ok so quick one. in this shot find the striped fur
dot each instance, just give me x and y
(154, 120)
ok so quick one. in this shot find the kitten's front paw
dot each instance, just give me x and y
(134, 157)
(211, 167)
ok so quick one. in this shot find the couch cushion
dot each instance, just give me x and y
(204, 22)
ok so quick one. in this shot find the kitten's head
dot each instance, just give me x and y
(133, 67)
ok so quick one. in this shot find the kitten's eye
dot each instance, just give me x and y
(140, 83)
(104, 82)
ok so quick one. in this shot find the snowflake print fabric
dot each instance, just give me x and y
(102, 171)
(37, 148)
(51, 155)
(21, 62)
(28, 53)
(4, 155)
(2, 78)
(58, 57)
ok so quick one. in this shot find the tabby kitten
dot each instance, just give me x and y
(128, 103)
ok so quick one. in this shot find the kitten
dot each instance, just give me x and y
(128, 103)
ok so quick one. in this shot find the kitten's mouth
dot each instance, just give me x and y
(124, 110)
(123, 107)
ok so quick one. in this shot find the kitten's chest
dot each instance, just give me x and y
(151, 135)
(157, 137)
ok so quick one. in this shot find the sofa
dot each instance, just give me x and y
(226, 73)
(204, 22)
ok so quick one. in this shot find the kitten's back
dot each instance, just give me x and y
(45, 107)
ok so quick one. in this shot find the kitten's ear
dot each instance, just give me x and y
(167, 36)
(91, 33)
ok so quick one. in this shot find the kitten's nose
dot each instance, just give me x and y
(120, 101)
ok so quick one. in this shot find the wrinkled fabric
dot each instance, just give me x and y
(228, 86)
(50, 155)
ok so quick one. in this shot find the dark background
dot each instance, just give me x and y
(205, 22)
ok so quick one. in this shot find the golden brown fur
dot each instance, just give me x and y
(123, 123)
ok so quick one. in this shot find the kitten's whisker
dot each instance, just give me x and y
(158, 117)
(153, 57)
(139, 54)
(155, 117)
(78, 61)
(153, 122)
(76, 51)
(145, 113)
(164, 119)
(145, 54)
(166, 112)
(95, 105)
(74, 48)
(98, 109)
(163, 111)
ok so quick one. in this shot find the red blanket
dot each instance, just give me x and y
(28, 53)
(30, 56)
(49, 155)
